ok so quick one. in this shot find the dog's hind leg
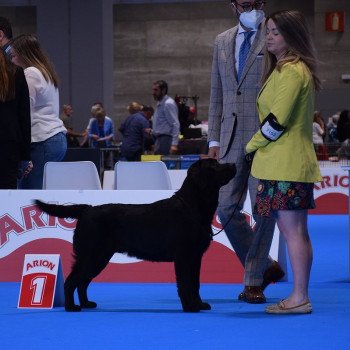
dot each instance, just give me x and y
(92, 268)
(70, 285)
(85, 303)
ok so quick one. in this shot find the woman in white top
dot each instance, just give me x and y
(318, 129)
(48, 133)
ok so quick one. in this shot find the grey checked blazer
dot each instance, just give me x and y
(232, 108)
(233, 120)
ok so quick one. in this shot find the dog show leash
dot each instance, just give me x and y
(249, 159)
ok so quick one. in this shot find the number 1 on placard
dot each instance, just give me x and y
(38, 285)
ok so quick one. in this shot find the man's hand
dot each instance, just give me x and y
(173, 149)
(28, 169)
(249, 157)
(214, 152)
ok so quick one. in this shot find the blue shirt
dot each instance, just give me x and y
(133, 129)
(166, 120)
(108, 129)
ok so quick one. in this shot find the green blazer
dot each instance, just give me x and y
(289, 95)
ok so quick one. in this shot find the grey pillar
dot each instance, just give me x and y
(78, 36)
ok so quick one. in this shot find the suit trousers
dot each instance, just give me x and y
(251, 246)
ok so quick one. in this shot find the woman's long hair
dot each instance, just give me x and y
(7, 79)
(27, 47)
(293, 27)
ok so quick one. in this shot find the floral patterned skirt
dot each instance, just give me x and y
(283, 195)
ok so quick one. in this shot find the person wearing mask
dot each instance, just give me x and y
(49, 142)
(284, 158)
(15, 123)
(166, 126)
(233, 119)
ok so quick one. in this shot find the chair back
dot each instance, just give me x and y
(71, 176)
(141, 176)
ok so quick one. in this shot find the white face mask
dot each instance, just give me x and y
(252, 19)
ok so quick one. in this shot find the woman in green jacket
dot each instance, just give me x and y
(284, 156)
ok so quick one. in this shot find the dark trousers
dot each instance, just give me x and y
(9, 160)
(163, 144)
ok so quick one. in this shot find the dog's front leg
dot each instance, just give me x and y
(196, 278)
(187, 278)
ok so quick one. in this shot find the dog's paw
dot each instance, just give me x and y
(191, 308)
(89, 305)
(204, 306)
(72, 308)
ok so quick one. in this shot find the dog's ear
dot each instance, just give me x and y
(199, 173)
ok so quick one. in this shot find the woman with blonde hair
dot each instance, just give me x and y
(49, 142)
(284, 157)
(15, 123)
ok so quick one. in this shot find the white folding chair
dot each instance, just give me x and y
(71, 176)
(141, 176)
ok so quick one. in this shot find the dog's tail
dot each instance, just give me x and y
(63, 211)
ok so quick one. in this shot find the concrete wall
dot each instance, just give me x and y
(113, 50)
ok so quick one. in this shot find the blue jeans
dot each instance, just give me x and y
(50, 150)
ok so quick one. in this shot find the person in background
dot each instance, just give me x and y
(166, 126)
(233, 119)
(148, 112)
(49, 142)
(343, 134)
(72, 136)
(15, 123)
(332, 127)
(318, 129)
(101, 132)
(86, 141)
(5, 37)
(133, 129)
(282, 150)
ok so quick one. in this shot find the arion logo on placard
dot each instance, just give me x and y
(42, 282)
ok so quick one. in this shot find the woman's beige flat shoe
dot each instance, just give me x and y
(280, 308)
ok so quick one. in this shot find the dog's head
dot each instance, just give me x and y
(209, 172)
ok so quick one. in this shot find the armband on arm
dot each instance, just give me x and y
(271, 129)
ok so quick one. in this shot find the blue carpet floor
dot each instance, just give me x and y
(148, 316)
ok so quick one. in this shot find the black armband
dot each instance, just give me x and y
(271, 129)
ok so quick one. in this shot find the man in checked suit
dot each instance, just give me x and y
(233, 120)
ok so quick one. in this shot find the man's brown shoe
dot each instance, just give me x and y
(252, 295)
(272, 275)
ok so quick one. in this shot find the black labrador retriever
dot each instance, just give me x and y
(176, 229)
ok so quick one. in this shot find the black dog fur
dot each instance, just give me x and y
(176, 229)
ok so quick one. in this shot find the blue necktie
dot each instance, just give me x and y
(243, 52)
